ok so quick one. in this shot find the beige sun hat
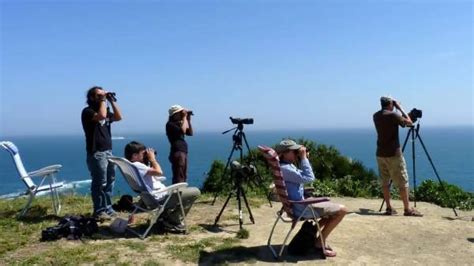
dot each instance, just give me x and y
(175, 109)
(286, 145)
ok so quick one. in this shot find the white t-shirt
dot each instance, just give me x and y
(153, 183)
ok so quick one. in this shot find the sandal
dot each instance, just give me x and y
(390, 211)
(412, 212)
(327, 252)
(328, 247)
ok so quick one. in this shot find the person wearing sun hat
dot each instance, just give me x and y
(177, 127)
(332, 213)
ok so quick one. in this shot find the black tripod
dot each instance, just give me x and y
(238, 177)
(415, 134)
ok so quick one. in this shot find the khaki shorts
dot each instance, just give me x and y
(323, 209)
(393, 168)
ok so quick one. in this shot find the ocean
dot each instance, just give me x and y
(451, 149)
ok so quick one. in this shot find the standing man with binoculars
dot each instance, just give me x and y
(179, 125)
(390, 159)
(96, 120)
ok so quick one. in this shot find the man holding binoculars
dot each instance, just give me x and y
(96, 120)
(390, 159)
(144, 159)
(179, 125)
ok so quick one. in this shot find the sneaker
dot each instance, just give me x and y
(180, 228)
(102, 216)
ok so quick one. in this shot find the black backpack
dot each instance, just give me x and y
(71, 227)
(304, 240)
(125, 203)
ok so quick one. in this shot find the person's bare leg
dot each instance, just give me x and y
(404, 196)
(333, 222)
(329, 225)
(386, 195)
(322, 222)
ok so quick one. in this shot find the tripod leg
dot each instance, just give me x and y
(406, 139)
(248, 207)
(414, 165)
(222, 210)
(225, 171)
(383, 201)
(434, 169)
(239, 191)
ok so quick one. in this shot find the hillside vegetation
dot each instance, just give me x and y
(336, 175)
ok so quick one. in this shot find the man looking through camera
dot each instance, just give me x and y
(332, 214)
(179, 125)
(390, 159)
(152, 176)
(96, 121)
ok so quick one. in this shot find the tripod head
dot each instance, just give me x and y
(239, 129)
(414, 127)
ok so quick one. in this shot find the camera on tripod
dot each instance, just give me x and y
(243, 170)
(240, 121)
(414, 114)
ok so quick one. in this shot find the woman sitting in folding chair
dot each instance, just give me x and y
(289, 153)
(152, 175)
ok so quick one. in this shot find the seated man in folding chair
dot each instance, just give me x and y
(144, 160)
(290, 153)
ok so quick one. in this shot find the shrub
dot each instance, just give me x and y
(214, 181)
(324, 188)
(336, 175)
(451, 196)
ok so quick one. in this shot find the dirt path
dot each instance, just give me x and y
(363, 237)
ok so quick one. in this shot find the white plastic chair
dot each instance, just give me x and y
(154, 207)
(46, 173)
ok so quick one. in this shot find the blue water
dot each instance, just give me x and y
(451, 149)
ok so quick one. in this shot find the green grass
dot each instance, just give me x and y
(242, 234)
(137, 246)
(152, 263)
(20, 239)
(62, 253)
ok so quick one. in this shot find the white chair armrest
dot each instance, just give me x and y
(52, 169)
(160, 178)
(172, 187)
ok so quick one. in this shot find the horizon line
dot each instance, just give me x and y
(121, 134)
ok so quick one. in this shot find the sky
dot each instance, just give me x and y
(287, 64)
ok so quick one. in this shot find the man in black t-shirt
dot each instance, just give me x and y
(390, 159)
(96, 119)
(178, 125)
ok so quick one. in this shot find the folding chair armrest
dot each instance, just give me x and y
(172, 187)
(309, 200)
(160, 178)
(52, 169)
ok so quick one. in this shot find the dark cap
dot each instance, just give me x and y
(386, 99)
